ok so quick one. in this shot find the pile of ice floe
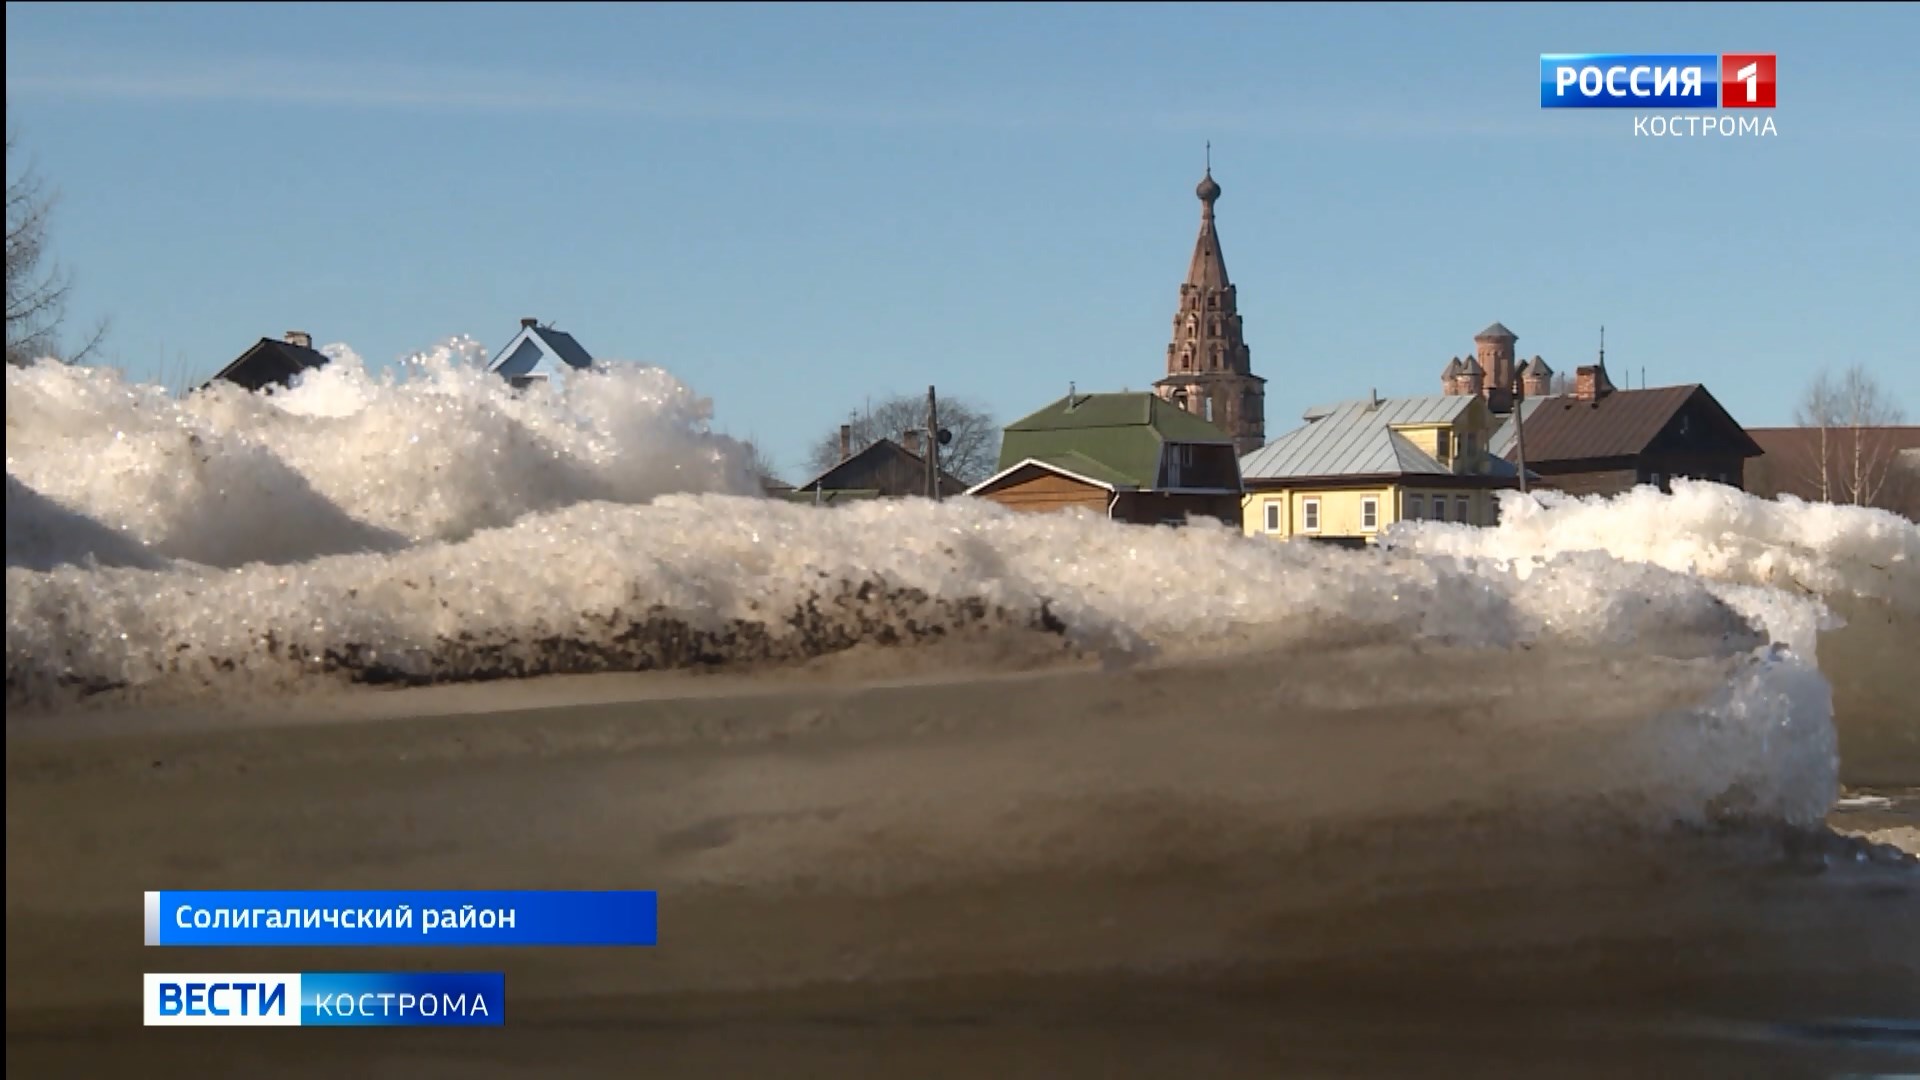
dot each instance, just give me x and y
(718, 579)
(1775, 560)
(344, 462)
(1707, 529)
(439, 528)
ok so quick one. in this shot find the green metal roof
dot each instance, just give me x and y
(1080, 411)
(1081, 465)
(1114, 438)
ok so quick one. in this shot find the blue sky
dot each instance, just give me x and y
(794, 208)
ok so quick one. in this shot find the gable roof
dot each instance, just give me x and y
(874, 455)
(1621, 423)
(269, 362)
(557, 344)
(1071, 464)
(1116, 437)
(564, 346)
(1357, 438)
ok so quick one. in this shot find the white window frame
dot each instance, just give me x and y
(1462, 509)
(1439, 508)
(1273, 515)
(1416, 507)
(1370, 509)
(1310, 514)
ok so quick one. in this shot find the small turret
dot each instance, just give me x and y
(1536, 378)
(1472, 379)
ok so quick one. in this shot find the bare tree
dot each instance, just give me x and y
(36, 289)
(1853, 457)
(971, 457)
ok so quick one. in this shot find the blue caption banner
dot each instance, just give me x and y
(327, 999)
(265, 917)
(1629, 81)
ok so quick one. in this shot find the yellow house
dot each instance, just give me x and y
(1358, 466)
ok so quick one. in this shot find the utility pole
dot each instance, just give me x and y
(1520, 431)
(933, 446)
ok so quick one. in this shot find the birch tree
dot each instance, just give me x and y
(1853, 457)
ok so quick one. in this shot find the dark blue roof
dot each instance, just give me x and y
(519, 361)
(564, 346)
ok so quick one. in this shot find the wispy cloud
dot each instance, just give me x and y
(255, 81)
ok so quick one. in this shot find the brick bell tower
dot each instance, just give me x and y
(1209, 367)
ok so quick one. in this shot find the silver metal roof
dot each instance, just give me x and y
(1356, 438)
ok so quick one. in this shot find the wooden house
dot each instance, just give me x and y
(1358, 466)
(884, 469)
(1602, 441)
(1132, 457)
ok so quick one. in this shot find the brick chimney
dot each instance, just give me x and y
(1590, 382)
(910, 439)
(529, 322)
(300, 338)
(846, 441)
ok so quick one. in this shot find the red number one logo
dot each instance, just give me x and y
(1746, 80)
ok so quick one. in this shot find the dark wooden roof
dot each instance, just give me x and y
(886, 467)
(1622, 423)
(564, 346)
(269, 362)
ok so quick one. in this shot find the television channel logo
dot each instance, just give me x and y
(1658, 80)
(326, 999)
(1747, 80)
